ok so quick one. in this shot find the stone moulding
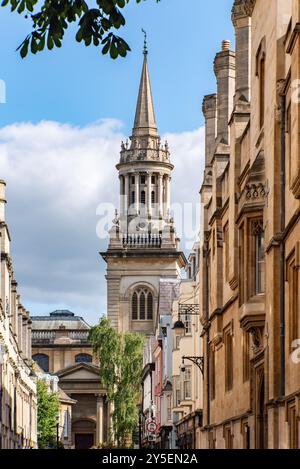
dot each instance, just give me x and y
(242, 9)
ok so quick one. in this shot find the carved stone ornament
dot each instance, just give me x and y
(257, 227)
(241, 9)
(255, 191)
(257, 339)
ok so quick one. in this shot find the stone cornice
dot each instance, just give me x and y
(242, 9)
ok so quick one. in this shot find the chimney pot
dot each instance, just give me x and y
(225, 45)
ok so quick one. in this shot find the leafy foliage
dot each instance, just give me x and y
(48, 408)
(96, 22)
(120, 360)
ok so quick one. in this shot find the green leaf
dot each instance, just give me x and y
(34, 46)
(50, 43)
(113, 51)
(106, 48)
(24, 48)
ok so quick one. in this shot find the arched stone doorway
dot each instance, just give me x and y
(261, 417)
(84, 433)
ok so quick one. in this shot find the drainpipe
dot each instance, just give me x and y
(282, 247)
(207, 332)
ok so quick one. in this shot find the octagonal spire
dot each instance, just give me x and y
(144, 122)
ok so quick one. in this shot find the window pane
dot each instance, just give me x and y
(83, 358)
(149, 306)
(142, 306)
(260, 263)
(42, 360)
(134, 307)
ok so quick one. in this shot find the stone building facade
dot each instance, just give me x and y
(249, 259)
(60, 346)
(143, 245)
(187, 369)
(18, 401)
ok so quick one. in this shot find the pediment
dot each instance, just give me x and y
(79, 372)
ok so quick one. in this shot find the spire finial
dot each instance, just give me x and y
(145, 42)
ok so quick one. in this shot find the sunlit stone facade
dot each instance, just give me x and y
(18, 404)
(250, 245)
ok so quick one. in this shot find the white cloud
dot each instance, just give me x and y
(56, 176)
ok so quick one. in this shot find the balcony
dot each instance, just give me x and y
(51, 337)
(142, 241)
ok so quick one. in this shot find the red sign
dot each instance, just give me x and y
(151, 426)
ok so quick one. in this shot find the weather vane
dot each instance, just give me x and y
(145, 42)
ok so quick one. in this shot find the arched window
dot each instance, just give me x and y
(153, 197)
(143, 197)
(142, 305)
(42, 360)
(150, 306)
(83, 358)
(135, 306)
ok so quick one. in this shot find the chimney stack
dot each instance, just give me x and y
(224, 67)
(241, 19)
(2, 200)
(209, 109)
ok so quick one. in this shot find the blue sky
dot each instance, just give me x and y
(78, 85)
(66, 113)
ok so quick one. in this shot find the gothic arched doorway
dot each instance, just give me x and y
(261, 418)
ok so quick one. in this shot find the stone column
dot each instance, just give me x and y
(167, 186)
(122, 195)
(137, 193)
(20, 326)
(126, 194)
(29, 340)
(99, 420)
(14, 307)
(25, 337)
(160, 195)
(149, 190)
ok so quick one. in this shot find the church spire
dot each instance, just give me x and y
(144, 122)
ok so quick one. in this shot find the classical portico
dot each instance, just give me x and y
(143, 245)
(91, 414)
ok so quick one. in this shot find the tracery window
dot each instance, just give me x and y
(259, 256)
(142, 305)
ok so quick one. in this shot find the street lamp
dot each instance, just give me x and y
(179, 328)
(184, 310)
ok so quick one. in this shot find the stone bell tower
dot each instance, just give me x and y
(143, 246)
